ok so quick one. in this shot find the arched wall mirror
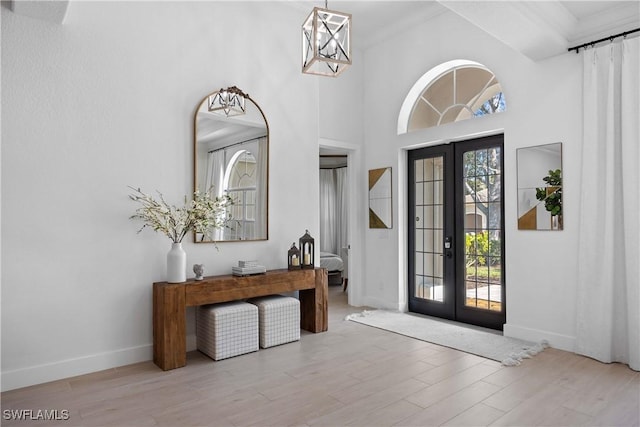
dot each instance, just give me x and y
(231, 156)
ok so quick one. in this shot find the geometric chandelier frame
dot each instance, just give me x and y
(326, 42)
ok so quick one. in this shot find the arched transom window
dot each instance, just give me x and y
(453, 91)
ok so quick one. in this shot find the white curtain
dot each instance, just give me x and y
(328, 223)
(608, 300)
(261, 189)
(342, 209)
(334, 210)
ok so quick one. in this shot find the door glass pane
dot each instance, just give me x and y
(481, 162)
(495, 182)
(428, 169)
(482, 224)
(428, 193)
(420, 240)
(437, 193)
(494, 215)
(419, 193)
(437, 241)
(428, 241)
(428, 217)
(419, 164)
(419, 218)
(469, 164)
(438, 168)
(429, 268)
(437, 217)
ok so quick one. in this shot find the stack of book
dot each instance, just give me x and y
(247, 268)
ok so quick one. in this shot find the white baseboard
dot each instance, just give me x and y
(40, 374)
(559, 341)
(24, 377)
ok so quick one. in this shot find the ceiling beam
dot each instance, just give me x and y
(47, 10)
(536, 29)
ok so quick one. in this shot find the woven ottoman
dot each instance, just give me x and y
(279, 319)
(227, 329)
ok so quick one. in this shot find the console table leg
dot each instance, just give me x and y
(169, 326)
(314, 316)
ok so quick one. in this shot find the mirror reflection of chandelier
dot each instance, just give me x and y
(326, 42)
(228, 102)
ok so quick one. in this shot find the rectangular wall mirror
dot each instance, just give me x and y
(540, 187)
(380, 198)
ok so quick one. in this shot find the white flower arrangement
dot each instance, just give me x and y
(201, 214)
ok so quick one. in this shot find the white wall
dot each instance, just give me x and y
(543, 106)
(341, 124)
(106, 101)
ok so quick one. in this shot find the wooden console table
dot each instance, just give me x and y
(170, 301)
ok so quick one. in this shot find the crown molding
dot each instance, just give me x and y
(614, 20)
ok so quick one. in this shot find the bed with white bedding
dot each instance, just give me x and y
(334, 265)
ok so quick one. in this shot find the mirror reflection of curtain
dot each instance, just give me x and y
(215, 172)
(608, 313)
(334, 208)
(261, 187)
(214, 181)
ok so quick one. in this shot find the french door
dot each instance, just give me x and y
(456, 231)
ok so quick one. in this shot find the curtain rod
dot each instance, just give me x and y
(235, 143)
(610, 38)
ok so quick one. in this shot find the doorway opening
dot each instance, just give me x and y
(334, 216)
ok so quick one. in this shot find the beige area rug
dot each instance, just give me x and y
(470, 339)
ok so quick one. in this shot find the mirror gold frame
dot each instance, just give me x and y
(231, 156)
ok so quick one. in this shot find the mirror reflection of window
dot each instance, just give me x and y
(241, 186)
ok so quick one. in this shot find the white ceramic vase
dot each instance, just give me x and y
(176, 264)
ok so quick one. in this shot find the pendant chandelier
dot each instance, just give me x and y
(326, 42)
(228, 102)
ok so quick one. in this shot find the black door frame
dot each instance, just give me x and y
(466, 314)
(454, 307)
(444, 309)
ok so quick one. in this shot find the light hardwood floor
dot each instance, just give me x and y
(351, 375)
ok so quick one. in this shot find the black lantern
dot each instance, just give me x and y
(307, 250)
(293, 257)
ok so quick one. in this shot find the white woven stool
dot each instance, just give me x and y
(279, 319)
(227, 329)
